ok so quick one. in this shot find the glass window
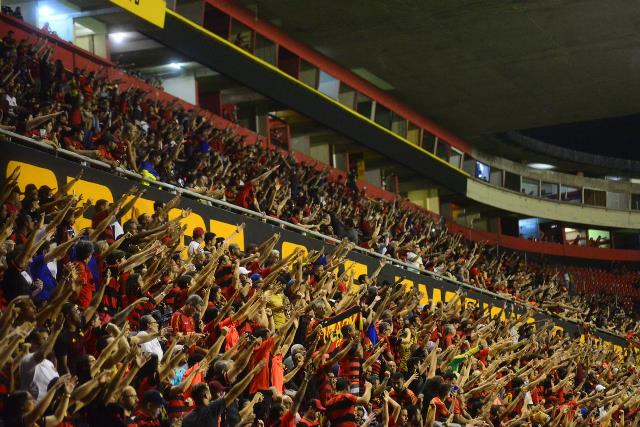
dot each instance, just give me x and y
(364, 105)
(347, 96)
(328, 85)
(383, 116)
(456, 157)
(599, 238)
(428, 141)
(570, 194)
(413, 134)
(242, 36)
(512, 181)
(469, 165)
(308, 74)
(483, 171)
(266, 49)
(550, 232)
(530, 187)
(495, 177)
(617, 200)
(575, 236)
(528, 228)
(635, 202)
(595, 197)
(442, 150)
(399, 125)
(549, 190)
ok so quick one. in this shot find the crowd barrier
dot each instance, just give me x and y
(100, 181)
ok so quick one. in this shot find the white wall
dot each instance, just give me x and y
(57, 13)
(183, 86)
(559, 211)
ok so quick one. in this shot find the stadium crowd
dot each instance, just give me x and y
(115, 325)
(86, 113)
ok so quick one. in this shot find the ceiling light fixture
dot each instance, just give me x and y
(175, 65)
(45, 11)
(118, 37)
(541, 166)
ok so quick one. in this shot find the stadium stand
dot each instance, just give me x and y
(114, 325)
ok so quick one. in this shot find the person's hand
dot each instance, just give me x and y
(59, 322)
(258, 397)
(141, 358)
(69, 383)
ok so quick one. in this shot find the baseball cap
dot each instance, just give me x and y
(244, 271)
(153, 396)
(198, 231)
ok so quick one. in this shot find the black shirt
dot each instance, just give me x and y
(211, 415)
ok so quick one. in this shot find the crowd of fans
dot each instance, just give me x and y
(86, 113)
(115, 325)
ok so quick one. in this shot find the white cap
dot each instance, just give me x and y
(600, 387)
(244, 271)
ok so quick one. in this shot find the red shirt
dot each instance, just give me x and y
(287, 420)
(86, 293)
(262, 352)
(180, 322)
(441, 409)
(277, 373)
(341, 410)
(245, 196)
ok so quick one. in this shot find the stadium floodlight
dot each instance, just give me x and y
(45, 11)
(118, 37)
(541, 166)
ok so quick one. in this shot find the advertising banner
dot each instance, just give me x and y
(42, 168)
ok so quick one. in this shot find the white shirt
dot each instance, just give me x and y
(194, 247)
(117, 230)
(11, 100)
(36, 378)
(152, 347)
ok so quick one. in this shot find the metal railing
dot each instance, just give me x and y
(266, 218)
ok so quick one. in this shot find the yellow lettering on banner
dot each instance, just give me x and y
(470, 302)
(424, 295)
(437, 295)
(89, 191)
(141, 206)
(288, 248)
(356, 267)
(30, 174)
(496, 311)
(223, 229)
(408, 284)
(149, 10)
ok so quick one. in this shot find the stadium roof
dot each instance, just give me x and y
(481, 67)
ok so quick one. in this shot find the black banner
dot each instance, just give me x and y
(40, 168)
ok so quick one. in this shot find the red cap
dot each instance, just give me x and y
(198, 231)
